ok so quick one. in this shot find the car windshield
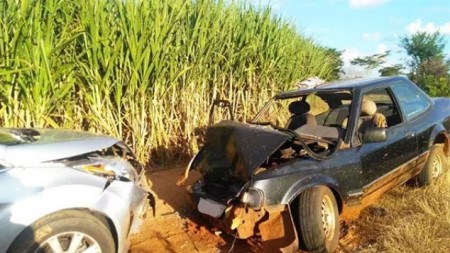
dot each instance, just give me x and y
(329, 109)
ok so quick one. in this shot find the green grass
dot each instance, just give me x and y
(145, 71)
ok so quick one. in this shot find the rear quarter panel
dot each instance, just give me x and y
(437, 121)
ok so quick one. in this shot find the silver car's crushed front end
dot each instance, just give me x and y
(63, 170)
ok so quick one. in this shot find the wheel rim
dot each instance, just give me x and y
(69, 242)
(328, 217)
(436, 167)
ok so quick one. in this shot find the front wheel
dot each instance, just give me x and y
(66, 231)
(318, 220)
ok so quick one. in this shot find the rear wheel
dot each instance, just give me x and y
(66, 231)
(434, 167)
(318, 220)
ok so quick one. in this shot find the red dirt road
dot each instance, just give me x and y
(176, 226)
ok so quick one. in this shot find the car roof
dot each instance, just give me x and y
(350, 84)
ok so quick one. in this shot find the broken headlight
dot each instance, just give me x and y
(253, 198)
(111, 167)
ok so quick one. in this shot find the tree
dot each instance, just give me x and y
(435, 86)
(370, 62)
(429, 68)
(435, 67)
(433, 77)
(391, 70)
(423, 46)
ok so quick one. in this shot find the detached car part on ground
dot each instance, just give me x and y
(67, 191)
(289, 183)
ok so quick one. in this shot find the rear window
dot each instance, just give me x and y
(412, 100)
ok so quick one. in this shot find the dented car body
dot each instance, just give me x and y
(290, 181)
(68, 191)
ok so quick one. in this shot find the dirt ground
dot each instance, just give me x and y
(176, 226)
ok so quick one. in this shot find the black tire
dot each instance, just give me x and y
(65, 225)
(316, 232)
(434, 166)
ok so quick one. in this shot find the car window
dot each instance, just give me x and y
(324, 109)
(277, 113)
(318, 105)
(377, 109)
(411, 99)
(385, 106)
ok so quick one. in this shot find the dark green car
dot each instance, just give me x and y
(317, 155)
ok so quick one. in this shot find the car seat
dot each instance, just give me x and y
(300, 115)
(369, 117)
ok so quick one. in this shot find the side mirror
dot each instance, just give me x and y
(374, 134)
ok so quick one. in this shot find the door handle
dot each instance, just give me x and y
(410, 134)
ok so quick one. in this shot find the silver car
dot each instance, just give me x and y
(67, 191)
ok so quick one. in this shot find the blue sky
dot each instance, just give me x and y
(364, 27)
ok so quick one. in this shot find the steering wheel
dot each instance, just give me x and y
(313, 154)
(308, 150)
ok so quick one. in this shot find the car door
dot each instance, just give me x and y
(415, 105)
(381, 161)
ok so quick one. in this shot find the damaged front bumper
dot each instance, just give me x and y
(141, 209)
(273, 225)
(126, 218)
(225, 195)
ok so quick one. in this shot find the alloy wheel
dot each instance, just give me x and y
(70, 242)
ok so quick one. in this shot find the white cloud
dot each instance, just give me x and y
(445, 29)
(366, 3)
(357, 71)
(430, 27)
(350, 54)
(381, 49)
(375, 37)
(350, 70)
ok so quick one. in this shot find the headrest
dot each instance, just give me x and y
(299, 107)
(368, 108)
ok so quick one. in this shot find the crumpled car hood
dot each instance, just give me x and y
(236, 149)
(54, 144)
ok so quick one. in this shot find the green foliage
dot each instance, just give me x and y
(370, 62)
(435, 67)
(423, 46)
(391, 70)
(145, 71)
(428, 66)
(435, 86)
(433, 77)
(337, 62)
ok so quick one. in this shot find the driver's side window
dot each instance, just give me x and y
(377, 109)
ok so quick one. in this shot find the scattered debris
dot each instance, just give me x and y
(310, 83)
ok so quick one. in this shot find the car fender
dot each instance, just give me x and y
(112, 205)
(440, 135)
(37, 192)
(94, 199)
(309, 182)
(24, 212)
